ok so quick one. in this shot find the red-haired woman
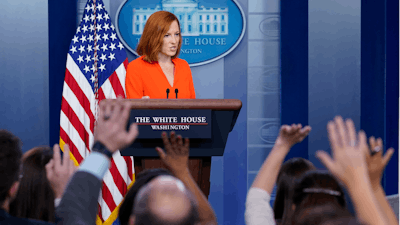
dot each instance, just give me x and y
(158, 72)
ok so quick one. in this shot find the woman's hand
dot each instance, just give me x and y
(376, 163)
(348, 162)
(176, 154)
(291, 135)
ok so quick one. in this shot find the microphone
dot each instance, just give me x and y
(167, 92)
(176, 92)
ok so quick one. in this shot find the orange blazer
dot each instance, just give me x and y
(148, 79)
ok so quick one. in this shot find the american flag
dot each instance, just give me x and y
(96, 68)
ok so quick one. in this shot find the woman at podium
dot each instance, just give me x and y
(158, 72)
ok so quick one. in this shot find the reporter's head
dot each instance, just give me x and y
(314, 189)
(142, 178)
(165, 200)
(35, 197)
(290, 171)
(10, 157)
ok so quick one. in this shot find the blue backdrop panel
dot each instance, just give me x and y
(334, 67)
(235, 156)
(62, 27)
(380, 73)
(294, 66)
(392, 95)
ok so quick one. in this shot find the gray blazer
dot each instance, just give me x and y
(79, 203)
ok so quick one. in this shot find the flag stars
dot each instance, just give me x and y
(96, 48)
(84, 28)
(102, 67)
(92, 78)
(90, 38)
(106, 17)
(86, 69)
(103, 57)
(97, 37)
(88, 8)
(112, 46)
(89, 48)
(104, 47)
(81, 48)
(99, 6)
(106, 27)
(112, 56)
(112, 27)
(113, 36)
(98, 27)
(120, 46)
(73, 49)
(78, 30)
(80, 59)
(86, 18)
(99, 17)
(75, 39)
(92, 17)
(88, 58)
(105, 37)
(95, 58)
(91, 27)
(93, 68)
(83, 38)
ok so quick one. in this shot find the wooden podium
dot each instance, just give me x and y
(207, 139)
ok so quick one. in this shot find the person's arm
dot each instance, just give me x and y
(133, 82)
(79, 202)
(258, 209)
(288, 136)
(176, 158)
(349, 166)
(376, 164)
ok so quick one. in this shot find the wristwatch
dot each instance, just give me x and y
(99, 147)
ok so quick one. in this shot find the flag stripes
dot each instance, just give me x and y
(89, 66)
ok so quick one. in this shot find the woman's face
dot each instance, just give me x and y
(171, 40)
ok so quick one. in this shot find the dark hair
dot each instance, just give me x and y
(144, 215)
(35, 197)
(316, 215)
(316, 188)
(142, 179)
(152, 38)
(289, 172)
(10, 158)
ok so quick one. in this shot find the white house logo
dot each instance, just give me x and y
(269, 132)
(210, 29)
(270, 79)
(270, 27)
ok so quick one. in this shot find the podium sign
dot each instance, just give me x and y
(189, 123)
(206, 122)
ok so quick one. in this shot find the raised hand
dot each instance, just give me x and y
(349, 165)
(176, 157)
(59, 172)
(111, 125)
(176, 154)
(290, 135)
(348, 160)
(376, 163)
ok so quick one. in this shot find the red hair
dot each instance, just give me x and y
(153, 35)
